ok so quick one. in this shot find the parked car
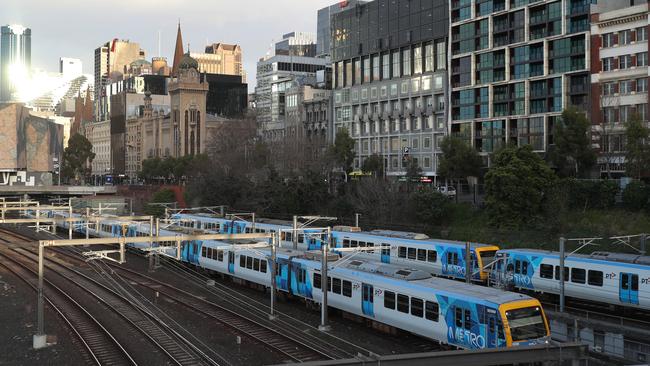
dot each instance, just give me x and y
(448, 191)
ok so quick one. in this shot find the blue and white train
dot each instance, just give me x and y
(441, 258)
(609, 278)
(458, 314)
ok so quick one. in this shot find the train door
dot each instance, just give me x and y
(629, 288)
(385, 253)
(231, 262)
(367, 300)
(492, 333)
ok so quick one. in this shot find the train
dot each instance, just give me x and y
(463, 315)
(615, 279)
(442, 258)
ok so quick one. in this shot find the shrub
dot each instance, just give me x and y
(430, 207)
(591, 194)
(636, 196)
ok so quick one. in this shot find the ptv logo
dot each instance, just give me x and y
(645, 281)
(610, 276)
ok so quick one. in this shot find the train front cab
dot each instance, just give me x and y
(486, 256)
(524, 323)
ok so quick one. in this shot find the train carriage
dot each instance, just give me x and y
(609, 278)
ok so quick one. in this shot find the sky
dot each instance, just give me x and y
(74, 28)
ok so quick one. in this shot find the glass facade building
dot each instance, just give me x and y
(390, 80)
(515, 66)
(15, 59)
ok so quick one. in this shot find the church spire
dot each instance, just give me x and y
(178, 52)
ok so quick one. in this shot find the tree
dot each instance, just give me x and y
(77, 158)
(636, 196)
(573, 154)
(637, 158)
(516, 186)
(162, 196)
(413, 173)
(374, 164)
(429, 206)
(342, 152)
(459, 160)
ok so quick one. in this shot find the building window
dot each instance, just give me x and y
(624, 113)
(642, 59)
(625, 87)
(625, 37)
(441, 55)
(406, 62)
(625, 62)
(608, 64)
(609, 88)
(396, 63)
(641, 34)
(608, 40)
(366, 70)
(385, 66)
(375, 68)
(417, 60)
(609, 115)
(641, 111)
(357, 71)
(642, 85)
(348, 73)
(428, 58)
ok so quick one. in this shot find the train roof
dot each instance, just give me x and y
(598, 256)
(374, 234)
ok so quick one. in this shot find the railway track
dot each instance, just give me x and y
(176, 349)
(103, 347)
(293, 347)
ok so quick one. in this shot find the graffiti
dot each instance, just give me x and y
(522, 280)
(454, 270)
(466, 337)
(17, 179)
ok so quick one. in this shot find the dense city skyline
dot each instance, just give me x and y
(95, 23)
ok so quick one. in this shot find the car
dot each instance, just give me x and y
(448, 191)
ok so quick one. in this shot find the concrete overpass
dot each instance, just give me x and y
(57, 190)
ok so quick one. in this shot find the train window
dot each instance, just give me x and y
(432, 256)
(517, 266)
(578, 275)
(220, 255)
(595, 278)
(635, 282)
(422, 255)
(566, 273)
(403, 303)
(624, 281)
(302, 276)
(204, 252)
(417, 307)
(362, 244)
(242, 261)
(347, 288)
(262, 265)
(524, 267)
(389, 300)
(336, 286)
(386, 249)
(458, 315)
(256, 264)
(285, 236)
(546, 271)
(346, 243)
(431, 311)
(329, 284)
(491, 325)
(317, 280)
(468, 319)
(401, 252)
(301, 238)
(411, 252)
(249, 262)
(455, 258)
(353, 244)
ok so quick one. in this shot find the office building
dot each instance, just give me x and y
(301, 44)
(15, 61)
(221, 58)
(112, 61)
(71, 67)
(323, 34)
(619, 77)
(515, 66)
(390, 81)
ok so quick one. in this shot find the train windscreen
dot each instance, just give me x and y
(526, 323)
(487, 257)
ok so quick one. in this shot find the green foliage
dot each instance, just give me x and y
(573, 155)
(637, 158)
(636, 196)
(374, 164)
(585, 194)
(162, 196)
(342, 152)
(77, 158)
(459, 160)
(516, 186)
(429, 206)
(174, 168)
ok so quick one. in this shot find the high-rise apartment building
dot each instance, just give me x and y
(619, 80)
(390, 81)
(112, 61)
(515, 66)
(15, 60)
